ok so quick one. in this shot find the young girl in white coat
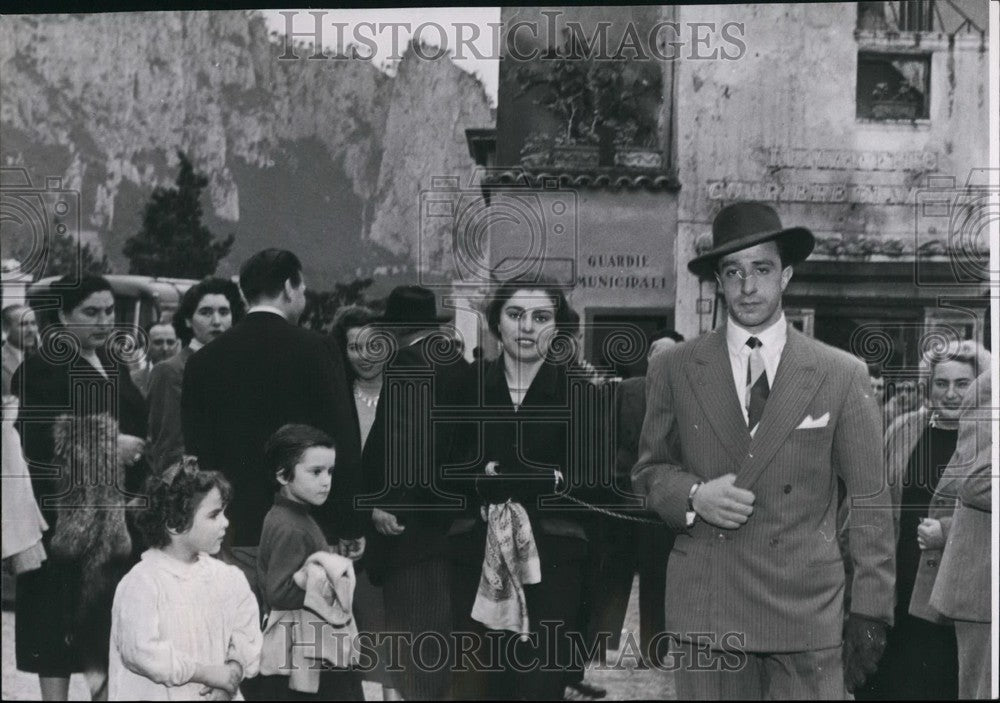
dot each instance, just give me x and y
(185, 626)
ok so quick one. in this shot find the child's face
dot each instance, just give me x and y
(209, 525)
(312, 477)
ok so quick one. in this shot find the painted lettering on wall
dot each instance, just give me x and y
(603, 281)
(620, 270)
(870, 177)
(850, 160)
(770, 191)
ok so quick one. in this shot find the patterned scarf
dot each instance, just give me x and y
(510, 563)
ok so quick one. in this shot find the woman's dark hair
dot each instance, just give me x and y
(174, 497)
(567, 319)
(192, 297)
(73, 290)
(286, 446)
(348, 318)
(264, 274)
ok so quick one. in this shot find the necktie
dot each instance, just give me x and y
(757, 388)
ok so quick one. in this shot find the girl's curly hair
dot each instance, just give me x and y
(174, 496)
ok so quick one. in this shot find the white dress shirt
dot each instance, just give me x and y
(266, 308)
(772, 343)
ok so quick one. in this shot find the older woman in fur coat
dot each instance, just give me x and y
(81, 419)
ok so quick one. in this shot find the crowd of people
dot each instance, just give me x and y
(262, 510)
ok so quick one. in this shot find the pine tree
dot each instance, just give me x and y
(173, 241)
(63, 254)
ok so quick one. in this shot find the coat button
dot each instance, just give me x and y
(774, 542)
(932, 563)
(722, 537)
(787, 488)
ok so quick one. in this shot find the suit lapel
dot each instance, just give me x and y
(711, 376)
(798, 378)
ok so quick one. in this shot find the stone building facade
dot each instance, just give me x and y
(866, 122)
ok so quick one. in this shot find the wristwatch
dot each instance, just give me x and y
(690, 516)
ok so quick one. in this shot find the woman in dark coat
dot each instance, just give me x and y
(208, 308)
(81, 423)
(541, 430)
(352, 328)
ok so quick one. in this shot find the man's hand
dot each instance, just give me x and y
(351, 548)
(386, 523)
(718, 502)
(929, 534)
(864, 642)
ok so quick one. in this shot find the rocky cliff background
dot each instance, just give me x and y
(324, 157)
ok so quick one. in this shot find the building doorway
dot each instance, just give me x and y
(617, 338)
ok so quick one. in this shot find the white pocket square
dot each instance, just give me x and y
(812, 423)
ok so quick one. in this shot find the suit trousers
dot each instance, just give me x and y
(974, 659)
(369, 613)
(418, 605)
(624, 549)
(701, 673)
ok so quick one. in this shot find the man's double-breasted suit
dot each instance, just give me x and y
(777, 582)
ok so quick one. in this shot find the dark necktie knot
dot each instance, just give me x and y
(753, 342)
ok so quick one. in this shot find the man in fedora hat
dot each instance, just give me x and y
(402, 458)
(747, 430)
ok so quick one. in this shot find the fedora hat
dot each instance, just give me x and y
(745, 224)
(413, 306)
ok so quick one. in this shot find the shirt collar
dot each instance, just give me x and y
(266, 308)
(194, 345)
(773, 337)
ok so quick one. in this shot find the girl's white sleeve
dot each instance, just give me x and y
(246, 642)
(136, 628)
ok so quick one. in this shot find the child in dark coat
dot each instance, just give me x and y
(302, 458)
